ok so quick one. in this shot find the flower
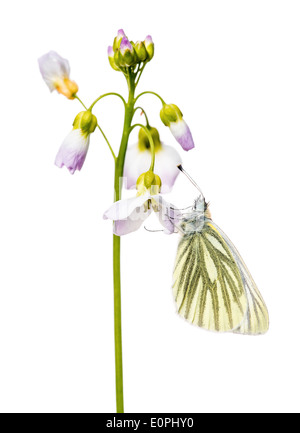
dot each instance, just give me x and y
(171, 116)
(129, 214)
(55, 71)
(138, 159)
(73, 150)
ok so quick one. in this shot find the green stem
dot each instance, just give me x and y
(76, 97)
(105, 138)
(100, 129)
(140, 71)
(144, 113)
(104, 96)
(119, 166)
(152, 93)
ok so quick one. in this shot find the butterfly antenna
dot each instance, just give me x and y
(190, 179)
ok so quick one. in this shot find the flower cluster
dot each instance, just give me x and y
(124, 53)
(149, 151)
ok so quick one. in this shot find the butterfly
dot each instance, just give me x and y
(212, 286)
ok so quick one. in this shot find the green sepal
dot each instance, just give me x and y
(85, 121)
(170, 113)
(144, 142)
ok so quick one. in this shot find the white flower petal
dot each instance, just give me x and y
(73, 150)
(53, 68)
(123, 209)
(166, 161)
(182, 134)
(136, 163)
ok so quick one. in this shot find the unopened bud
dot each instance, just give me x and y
(149, 45)
(118, 39)
(118, 59)
(111, 59)
(141, 52)
(126, 52)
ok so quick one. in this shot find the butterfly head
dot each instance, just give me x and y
(199, 204)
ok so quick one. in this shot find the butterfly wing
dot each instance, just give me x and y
(208, 287)
(257, 318)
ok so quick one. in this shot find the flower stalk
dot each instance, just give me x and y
(119, 166)
(130, 59)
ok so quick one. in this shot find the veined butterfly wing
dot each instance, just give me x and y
(213, 287)
(257, 318)
(208, 287)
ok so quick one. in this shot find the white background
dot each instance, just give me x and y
(233, 68)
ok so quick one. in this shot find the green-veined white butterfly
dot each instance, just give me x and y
(212, 285)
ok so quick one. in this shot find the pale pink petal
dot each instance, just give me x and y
(73, 150)
(136, 163)
(182, 134)
(122, 209)
(121, 33)
(53, 67)
(148, 40)
(132, 223)
(166, 161)
(110, 51)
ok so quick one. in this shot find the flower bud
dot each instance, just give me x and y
(141, 52)
(111, 59)
(85, 121)
(118, 59)
(170, 113)
(127, 53)
(144, 142)
(118, 39)
(149, 47)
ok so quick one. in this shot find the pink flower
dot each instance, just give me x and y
(172, 117)
(55, 71)
(73, 151)
(181, 132)
(129, 214)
